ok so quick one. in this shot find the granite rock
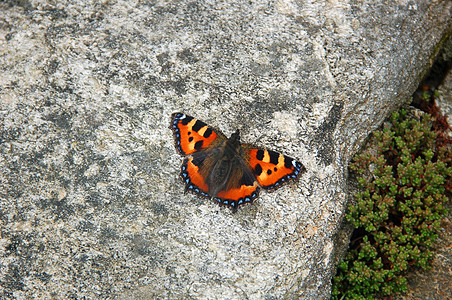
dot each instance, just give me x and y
(91, 205)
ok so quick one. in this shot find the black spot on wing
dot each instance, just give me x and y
(208, 132)
(258, 170)
(198, 160)
(260, 155)
(186, 120)
(288, 162)
(198, 145)
(198, 125)
(190, 139)
(274, 156)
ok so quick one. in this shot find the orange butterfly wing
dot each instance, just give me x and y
(193, 139)
(192, 135)
(242, 186)
(194, 180)
(272, 169)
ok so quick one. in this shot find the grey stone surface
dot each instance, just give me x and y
(91, 205)
(444, 99)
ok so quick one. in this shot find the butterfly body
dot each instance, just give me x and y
(224, 169)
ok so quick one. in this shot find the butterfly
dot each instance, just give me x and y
(222, 168)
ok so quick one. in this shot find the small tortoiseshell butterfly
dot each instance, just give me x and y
(225, 170)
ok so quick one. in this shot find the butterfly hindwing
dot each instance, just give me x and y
(242, 187)
(191, 175)
(192, 135)
(272, 169)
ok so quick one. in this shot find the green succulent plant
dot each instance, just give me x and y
(404, 189)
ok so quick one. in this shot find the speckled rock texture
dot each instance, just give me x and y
(91, 205)
(444, 99)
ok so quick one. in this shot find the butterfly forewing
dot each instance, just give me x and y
(192, 135)
(272, 169)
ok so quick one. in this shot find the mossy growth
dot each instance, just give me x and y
(404, 189)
